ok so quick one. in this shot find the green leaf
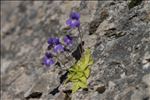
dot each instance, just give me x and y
(87, 56)
(80, 74)
(73, 69)
(87, 72)
(80, 71)
(82, 85)
(75, 87)
(83, 79)
(70, 76)
(77, 76)
(86, 60)
(91, 61)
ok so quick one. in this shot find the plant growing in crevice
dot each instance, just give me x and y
(80, 71)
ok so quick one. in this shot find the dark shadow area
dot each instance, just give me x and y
(96, 22)
(134, 3)
(34, 95)
(67, 50)
(101, 89)
(146, 98)
(77, 53)
(93, 26)
(54, 91)
(68, 93)
(63, 77)
(58, 64)
(85, 89)
(22, 8)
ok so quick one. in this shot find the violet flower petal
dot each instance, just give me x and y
(73, 23)
(58, 48)
(74, 15)
(48, 61)
(68, 40)
(53, 41)
(48, 55)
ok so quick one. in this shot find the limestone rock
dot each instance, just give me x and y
(116, 31)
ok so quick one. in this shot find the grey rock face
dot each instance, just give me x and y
(117, 32)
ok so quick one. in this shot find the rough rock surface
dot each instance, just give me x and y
(117, 31)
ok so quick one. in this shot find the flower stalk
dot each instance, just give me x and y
(80, 35)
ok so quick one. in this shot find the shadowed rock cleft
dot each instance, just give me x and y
(76, 54)
(54, 91)
(134, 3)
(34, 95)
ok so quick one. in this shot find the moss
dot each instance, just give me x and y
(134, 3)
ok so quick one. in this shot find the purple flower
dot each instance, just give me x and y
(50, 41)
(53, 41)
(48, 61)
(58, 48)
(48, 55)
(73, 21)
(68, 40)
(74, 15)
